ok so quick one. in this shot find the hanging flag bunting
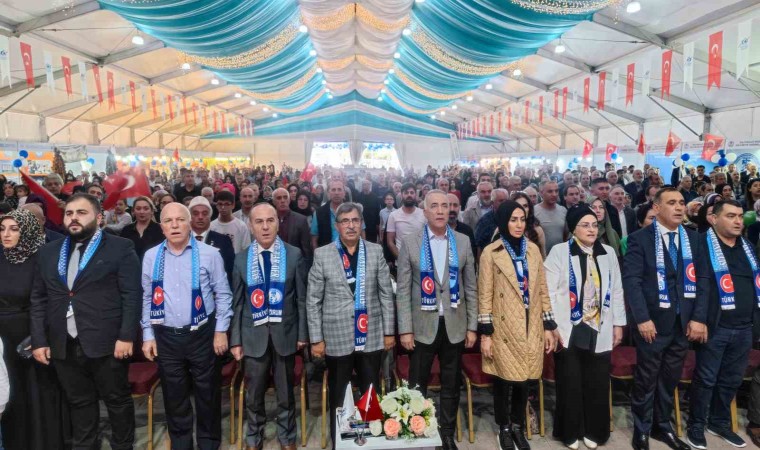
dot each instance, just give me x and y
(66, 63)
(743, 42)
(646, 68)
(712, 144)
(500, 122)
(667, 59)
(49, 79)
(527, 111)
(541, 109)
(239, 126)
(491, 125)
(143, 98)
(509, 119)
(602, 88)
(640, 148)
(205, 118)
(556, 103)
(5, 62)
(184, 107)
(229, 125)
(587, 149)
(124, 92)
(98, 87)
(564, 102)
(673, 142)
(153, 103)
(162, 99)
(111, 98)
(688, 66)
(216, 127)
(195, 114)
(615, 84)
(714, 68)
(171, 108)
(252, 123)
(609, 151)
(83, 79)
(586, 93)
(629, 84)
(176, 105)
(26, 55)
(133, 95)
(175, 155)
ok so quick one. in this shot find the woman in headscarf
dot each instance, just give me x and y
(515, 320)
(9, 194)
(607, 234)
(533, 229)
(710, 200)
(32, 419)
(302, 204)
(586, 291)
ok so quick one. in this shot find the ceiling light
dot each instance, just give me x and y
(443, 113)
(185, 66)
(382, 91)
(319, 70)
(516, 72)
(420, 1)
(454, 106)
(324, 81)
(303, 29)
(266, 109)
(330, 96)
(469, 98)
(432, 116)
(489, 86)
(379, 98)
(386, 81)
(274, 115)
(137, 39)
(391, 71)
(238, 95)
(312, 53)
(253, 103)
(327, 90)
(406, 32)
(633, 7)
(560, 48)
(215, 81)
(397, 55)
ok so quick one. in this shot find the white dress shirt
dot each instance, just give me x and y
(664, 233)
(439, 248)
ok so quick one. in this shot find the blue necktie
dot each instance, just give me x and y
(673, 252)
(266, 255)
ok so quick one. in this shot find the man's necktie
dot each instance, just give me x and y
(71, 275)
(266, 255)
(199, 238)
(673, 252)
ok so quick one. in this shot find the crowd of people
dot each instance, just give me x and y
(351, 268)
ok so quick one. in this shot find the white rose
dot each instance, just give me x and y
(389, 405)
(417, 405)
(413, 393)
(432, 428)
(376, 427)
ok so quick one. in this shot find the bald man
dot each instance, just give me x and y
(185, 316)
(36, 209)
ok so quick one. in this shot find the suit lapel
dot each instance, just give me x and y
(90, 265)
(505, 264)
(342, 277)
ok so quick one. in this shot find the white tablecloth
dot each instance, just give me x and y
(380, 443)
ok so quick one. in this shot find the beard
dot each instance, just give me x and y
(409, 202)
(87, 231)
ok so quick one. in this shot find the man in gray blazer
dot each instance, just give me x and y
(349, 304)
(269, 324)
(437, 305)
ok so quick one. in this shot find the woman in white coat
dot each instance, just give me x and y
(586, 292)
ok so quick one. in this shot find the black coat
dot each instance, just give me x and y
(107, 299)
(224, 244)
(630, 219)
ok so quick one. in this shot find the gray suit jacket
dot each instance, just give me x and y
(285, 334)
(330, 302)
(424, 324)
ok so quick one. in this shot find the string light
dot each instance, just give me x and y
(303, 29)
(397, 55)
(336, 64)
(426, 92)
(489, 86)
(565, 6)
(341, 86)
(302, 106)
(374, 64)
(249, 57)
(252, 103)
(286, 92)
(138, 39)
(366, 17)
(370, 86)
(330, 22)
(408, 107)
(447, 60)
(238, 95)
(633, 7)
(215, 81)
(312, 53)
(454, 106)
(185, 65)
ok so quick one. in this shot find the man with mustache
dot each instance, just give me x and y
(84, 315)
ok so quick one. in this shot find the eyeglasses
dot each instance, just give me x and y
(588, 226)
(346, 222)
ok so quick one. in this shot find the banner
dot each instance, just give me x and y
(98, 87)
(205, 118)
(564, 102)
(195, 114)
(66, 62)
(647, 73)
(26, 56)
(500, 122)
(184, 107)
(49, 79)
(527, 111)
(587, 149)
(586, 93)
(743, 43)
(712, 144)
(640, 149)
(153, 103)
(609, 151)
(667, 59)
(72, 153)
(541, 109)
(111, 98)
(688, 66)
(133, 94)
(5, 62)
(714, 67)
(615, 84)
(629, 79)
(83, 79)
(509, 119)
(602, 88)
(171, 108)
(143, 98)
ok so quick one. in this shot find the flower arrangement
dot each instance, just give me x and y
(407, 414)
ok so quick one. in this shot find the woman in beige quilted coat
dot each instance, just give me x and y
(514, 319)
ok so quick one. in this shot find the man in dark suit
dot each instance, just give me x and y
(371, 209)
(270, 332)
(84, 315)
(293, 228)
(667, 307)
(622, 217)
(200, 222)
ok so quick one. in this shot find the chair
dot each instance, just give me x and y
(752, 364)
(687, 374)
(622, 365)
(229, 377)
(143, 381)
(299, 379)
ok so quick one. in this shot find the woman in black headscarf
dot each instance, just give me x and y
(515, 320)
(32, 419)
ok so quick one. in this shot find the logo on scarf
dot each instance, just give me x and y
(257, 298)
(428, 285)
(275, 296)
(727, 284)
(573, 300)
(198, 303)
(346, 262)
(691, 273)
(757, 281)
(158, 296)
(361, 323)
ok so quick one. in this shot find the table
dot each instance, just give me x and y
(380, 443)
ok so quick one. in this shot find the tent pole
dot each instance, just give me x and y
(18, 101)
(614, 125)
(73, 120)
(137, 114)
(674, 116)
(151, 133)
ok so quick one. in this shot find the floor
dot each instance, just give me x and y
(484, 426)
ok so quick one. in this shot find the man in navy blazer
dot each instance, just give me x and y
(664, 327)
(200, 221)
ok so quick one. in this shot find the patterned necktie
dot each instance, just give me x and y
(266, 255)
(71, 275)
(199, 238)
(672, 250)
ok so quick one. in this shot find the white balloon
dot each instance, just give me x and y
(619, 160)
(731, 157)
(715, 158)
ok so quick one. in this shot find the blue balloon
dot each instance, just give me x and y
(614, 156)
(133, 164)
(163, 163)
(722, 162)
(685, 157)
(23, 153)
(17, 163)
(153, 163)
(91, 160)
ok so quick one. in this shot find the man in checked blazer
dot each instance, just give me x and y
(446, 330)
(336, 325)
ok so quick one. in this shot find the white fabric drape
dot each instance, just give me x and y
(355, 147)
(308, 144)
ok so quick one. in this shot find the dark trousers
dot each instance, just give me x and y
(340, 368)
(87, 380)
(449, 359)
(509, 407)
(187, 362)
(655, 378)
(257, 373)
(721, 363)
(583, 383)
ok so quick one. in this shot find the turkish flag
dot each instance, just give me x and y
(66, 62)
(184, 108)
(587, 149)
(712, 144)
(541, 109)
(369, 407)
(673, 142)
(52, 210)
(132, 92)
(153, 101)
(564, 102)
(556, 103)
(26, 55)
(509, 119)
(68, 188)
(171, 108)
(629, 79)
(611, 149)
(123, 185)
(527, 111)
(667, 59)
(602, 90)
(175, 155)
(640, 149)
(111, 98)
(499, 122)
(714, 67)
(96, 75)
(586, 95)
(195, 114)
(216, 127)
(205, 118)
(491, 119)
